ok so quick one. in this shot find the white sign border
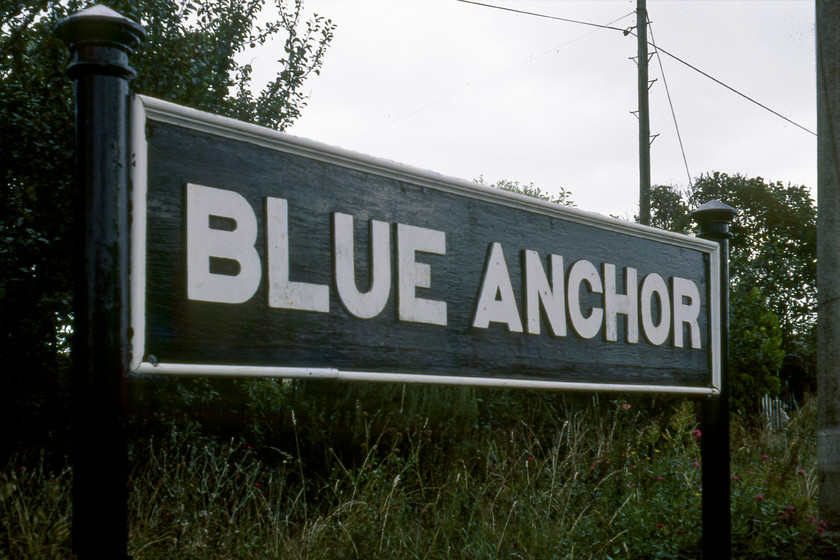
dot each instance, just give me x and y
(145, 108)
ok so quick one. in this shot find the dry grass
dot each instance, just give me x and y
(606, 482)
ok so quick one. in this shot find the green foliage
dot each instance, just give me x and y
(563, 197)
(36, 143)
(192, 56)
(772, 278)
(192, 52)
(773, 245)
(668, 209)
(756, 355)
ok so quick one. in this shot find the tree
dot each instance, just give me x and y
(563, 197)
(191, 56)
(755, 341)
(668, 209)
(773, 245)
(772, 265)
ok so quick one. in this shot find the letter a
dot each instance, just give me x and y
(497, 282)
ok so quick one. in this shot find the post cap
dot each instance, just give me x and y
(100, 28)
(102, 24)
(714, 217)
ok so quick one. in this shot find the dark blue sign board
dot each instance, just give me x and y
(256, 253)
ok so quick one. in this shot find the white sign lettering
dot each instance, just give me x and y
(364, 305)
(205, 243)
(412, 275)
(222, 225)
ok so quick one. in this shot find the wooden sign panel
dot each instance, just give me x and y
(258, 253)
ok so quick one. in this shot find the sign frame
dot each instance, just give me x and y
(145, 109)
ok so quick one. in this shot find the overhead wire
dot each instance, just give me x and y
(670, 102)
(733, 90)
(494, 76)
(629, 31)
(546, 16)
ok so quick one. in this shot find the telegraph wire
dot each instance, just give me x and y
(733, 90)
(670, 103)
(546, 16)
(629, 31)
(494, 76)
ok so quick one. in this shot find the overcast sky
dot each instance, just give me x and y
(469, 91)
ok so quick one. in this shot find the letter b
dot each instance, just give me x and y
(205, 242)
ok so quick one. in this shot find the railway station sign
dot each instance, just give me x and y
(256, 253)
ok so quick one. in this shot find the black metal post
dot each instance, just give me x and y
(100, 42)
(714, 219)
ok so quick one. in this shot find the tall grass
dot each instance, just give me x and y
(600, 481)
(35, 507)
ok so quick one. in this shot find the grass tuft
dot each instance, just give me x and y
(602, 481)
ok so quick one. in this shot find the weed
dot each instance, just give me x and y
(606, 480)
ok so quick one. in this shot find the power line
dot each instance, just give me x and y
(628, 31)
(670, 103)
(733, 90)
(545, 16)
(487, 79)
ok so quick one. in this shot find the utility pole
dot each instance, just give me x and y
(828, 257)
(644, 115)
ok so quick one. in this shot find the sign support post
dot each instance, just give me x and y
(714, 219)
(100, 42)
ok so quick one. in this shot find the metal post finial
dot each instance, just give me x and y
(714, 219)
(100, 40)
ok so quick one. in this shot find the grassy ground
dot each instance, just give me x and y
(603, 481)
